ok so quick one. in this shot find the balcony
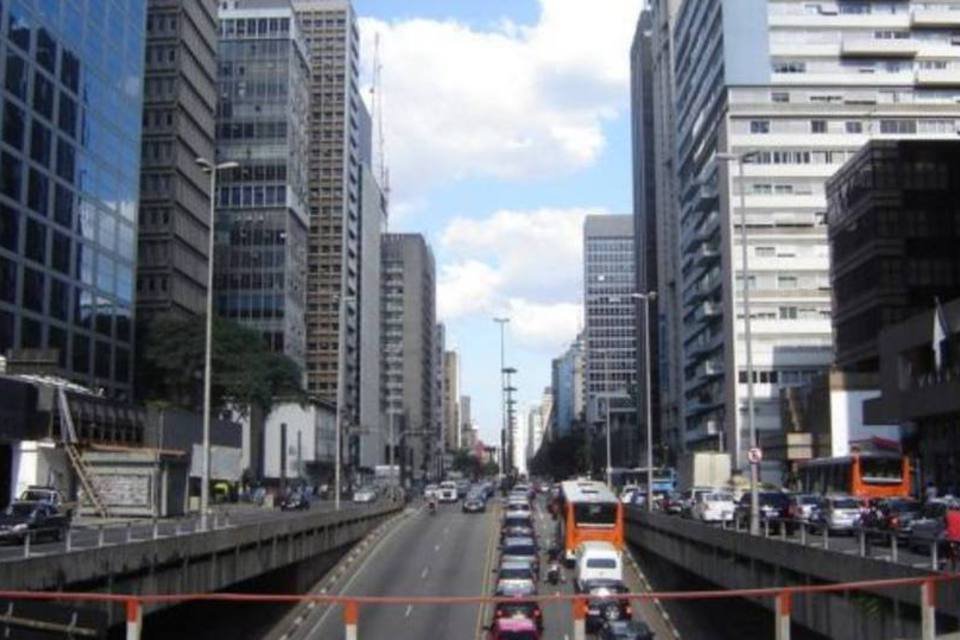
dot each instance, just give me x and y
(949, 77)
(920, 18)
(706, 254)
(878, 48)
(708, 311)
(710, 369)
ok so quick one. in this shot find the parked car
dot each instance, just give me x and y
(838, 514)
(604, 603)
(519, 628)
(521, 550)
(774, 508)
(46, 494)
(929, 526)
(714, 507)
(519, 606)
(295, 501)
(34, 519)
(516, 508)
(625, 630)
(516, 574)
(893, 515)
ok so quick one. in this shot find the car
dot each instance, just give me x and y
(895, 515)
(515, 574)
(463, 487)
(627, 494)
(518, 606)
(365, 495)
(714, 507)
(773, 505)
(597, 560)
(929, 526)
(46, 494)
(671, 503)
(689, 498)
(296, 501)
(473, 504)
(604, 603)
(34, 519)
(521, 550)
(517, 531)
(518, 508)
(518, 628)
(625, 630)
(447, 491)
(802, 506)
(838, 514)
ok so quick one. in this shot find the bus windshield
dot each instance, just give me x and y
(881, 470)
(603, 514)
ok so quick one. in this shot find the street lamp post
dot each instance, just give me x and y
(647, 298)
(503, 396)
(741, 159)
(212, 169)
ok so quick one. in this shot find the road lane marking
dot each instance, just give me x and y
(409, 609)
(487, 566)
(436, 548)
(423, 574)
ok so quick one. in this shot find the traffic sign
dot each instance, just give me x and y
(754, 455)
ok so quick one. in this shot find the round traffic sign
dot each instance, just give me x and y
(754, 455)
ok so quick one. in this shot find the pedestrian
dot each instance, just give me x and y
(931, 492)
(952, 531)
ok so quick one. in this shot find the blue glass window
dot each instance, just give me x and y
(46, 50)
(42, 95)
(122, 364)
(63, 206)
(8, 280)
(40, 143)
(59, 299)
(36, 241)
(83, 309)
(67, 117)
(60, 253)
(81, 353)
(31, 333)
(19, 26)
(17, 76)
(57, 339)
(69, 70)
(66, 160)
(38, 192)
(11, 174)
(14, 125)
(6, 329)
(34, 290)
(105, 269)
(102, 362)
(104, 320)
(9, 227)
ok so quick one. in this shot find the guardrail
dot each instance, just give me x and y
(351, 606)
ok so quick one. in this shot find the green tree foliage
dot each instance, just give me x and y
(245, 371)
(563, 458)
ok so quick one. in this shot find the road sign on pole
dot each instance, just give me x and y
(754, 455)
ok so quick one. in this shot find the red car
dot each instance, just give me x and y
(514, 629)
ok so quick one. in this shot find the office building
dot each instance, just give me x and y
(179, 111)
(339, 134)
(793, 89)
(408, 333)
(466, 418)
(69, 184)
(534, 433)
(568, 384)
(894, 232)
(261, 213)
(451, 400)
(609, 280)
(644, 217)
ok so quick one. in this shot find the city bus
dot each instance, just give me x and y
(664, 478)
(864, 475)
(588, 511)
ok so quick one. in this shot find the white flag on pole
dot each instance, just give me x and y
(940, 332)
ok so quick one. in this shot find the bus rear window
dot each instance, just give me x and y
(601, 563)
(595, 514)
(881, 470)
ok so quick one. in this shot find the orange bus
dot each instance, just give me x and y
(863, 475)
(588, 510)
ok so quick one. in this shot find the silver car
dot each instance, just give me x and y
(839, 513)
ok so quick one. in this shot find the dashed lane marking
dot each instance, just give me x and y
(408, 611)
(423, 574)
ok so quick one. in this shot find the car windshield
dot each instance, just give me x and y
(719, 497)
(601, 563)
(515, 573)
(519, 550)
(36, 495)
(516, 521)
(517, 635)
(846, 503)
(904, 506)
(21, 510)
(808, 500)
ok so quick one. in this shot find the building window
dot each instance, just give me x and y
(788, 313)
(818, 126)
(759, 126)
(853, 126)
(780, 96)
(786, 282)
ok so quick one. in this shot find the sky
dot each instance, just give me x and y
(505, 123)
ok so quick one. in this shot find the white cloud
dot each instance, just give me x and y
(513, 102)
(526, 264)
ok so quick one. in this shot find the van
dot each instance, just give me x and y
(598, 561)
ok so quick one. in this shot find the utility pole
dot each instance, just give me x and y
(503, 398)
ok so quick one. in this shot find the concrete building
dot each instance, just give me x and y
(298, 443)
(337, 153)
(408, 333)
(609, 281)
(451, 401)
(534, 433)
(800, 87)
(644, 215)
(466, 418)
(179, 111)
(568, 383)
(667, 221)
(439, 396)
(261, 212)
(70, 184)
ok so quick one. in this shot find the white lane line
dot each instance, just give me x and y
(436, 548)
(408, 611)
(423, 574)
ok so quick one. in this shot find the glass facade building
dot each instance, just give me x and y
(71, 75)
(261, 218)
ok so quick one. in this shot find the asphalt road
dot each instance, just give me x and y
(88, 533)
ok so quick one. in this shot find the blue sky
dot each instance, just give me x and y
(506, 121)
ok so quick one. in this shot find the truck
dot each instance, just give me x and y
(703, 469)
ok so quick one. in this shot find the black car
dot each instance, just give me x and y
(474, 504)
(34, 519)
(603, 602)
(774, 508)
(625, 630)
(295, 502)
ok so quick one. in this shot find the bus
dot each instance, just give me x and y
(863, 475)
(588, 511)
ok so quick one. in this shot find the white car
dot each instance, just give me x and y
(365, 494)
(714, 507)
(628, 492)
(447, 492)
(431, 491)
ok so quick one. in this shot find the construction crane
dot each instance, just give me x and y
(376, 104)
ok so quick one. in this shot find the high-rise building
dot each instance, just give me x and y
(534, 433)
(609, 281)
(793, 89)
(408, 334)
(179, 111)
(339, 129)
(451, 401)
(69, 183)
(261, 213)
(439, 394)
(667, 223)
(568, 385)
(644, 215)
(466, 418)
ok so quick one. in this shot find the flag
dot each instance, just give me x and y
(940, 332)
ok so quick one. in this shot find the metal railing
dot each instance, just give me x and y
(351, 606)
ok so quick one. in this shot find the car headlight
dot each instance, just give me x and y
(19, 527)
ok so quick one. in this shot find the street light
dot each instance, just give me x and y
(741, 159)
(338, 419)
(503, 407)
(212, 169)
(647, 298)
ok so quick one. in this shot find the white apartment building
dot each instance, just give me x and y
(795, 87)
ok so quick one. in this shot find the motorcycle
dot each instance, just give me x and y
(432, 508)
(553, 573)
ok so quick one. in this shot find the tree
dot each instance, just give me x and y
(465, 462)
(245, 371)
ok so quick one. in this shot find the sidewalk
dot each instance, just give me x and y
(229, 507)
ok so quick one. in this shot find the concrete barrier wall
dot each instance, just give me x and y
(736, 560)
